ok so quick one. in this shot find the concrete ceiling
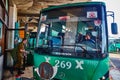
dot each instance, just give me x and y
(31, 8)
(34, 6)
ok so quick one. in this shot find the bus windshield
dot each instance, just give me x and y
(76, 31)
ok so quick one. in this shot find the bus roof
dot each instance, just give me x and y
(73, 4)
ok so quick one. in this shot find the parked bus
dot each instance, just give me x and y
(64, 49)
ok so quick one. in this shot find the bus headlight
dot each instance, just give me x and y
(105, 77)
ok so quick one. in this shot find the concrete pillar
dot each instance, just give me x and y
(12, 20)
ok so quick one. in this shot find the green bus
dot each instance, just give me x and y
(63, 51)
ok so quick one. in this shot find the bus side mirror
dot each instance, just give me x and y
(114, 28)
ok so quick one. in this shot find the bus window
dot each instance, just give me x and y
(73, 23)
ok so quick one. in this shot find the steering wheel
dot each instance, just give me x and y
(89, 43)
(85, 52)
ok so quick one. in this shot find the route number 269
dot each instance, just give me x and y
(63, 64)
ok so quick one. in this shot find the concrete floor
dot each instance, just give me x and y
(27, 73)
(115, 66)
